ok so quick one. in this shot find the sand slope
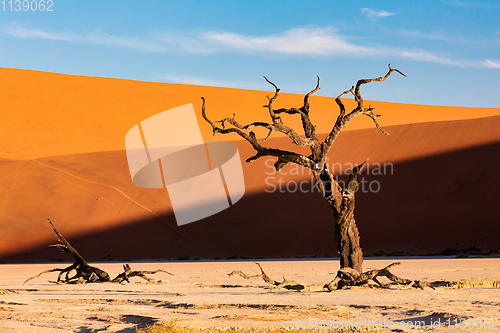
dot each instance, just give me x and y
(47, 114)
(442, 193)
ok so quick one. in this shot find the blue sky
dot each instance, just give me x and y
(449, 49)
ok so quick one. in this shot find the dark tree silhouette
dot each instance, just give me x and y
(341, 200)
(84, 273)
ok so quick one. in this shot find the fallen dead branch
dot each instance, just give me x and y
(129, 273)
(84, 273)
(346, 277)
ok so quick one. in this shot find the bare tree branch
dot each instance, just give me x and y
(306, 122)
(346, 277)
(344, 119)
(129, 273)
(309, 128)
(353, 177)
(341, 105)
(306, 98)
(271, 101)
(66, 270)
(64, 245)
(357, 93)
(374, 117)
(283, 155)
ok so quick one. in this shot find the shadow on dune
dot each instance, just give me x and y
(426, 205)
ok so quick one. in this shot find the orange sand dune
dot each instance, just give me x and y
(47, 114)
(441, 191)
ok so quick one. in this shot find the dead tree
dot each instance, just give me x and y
(84, 273)
(341, 200)
(129, 273)
(345, 277)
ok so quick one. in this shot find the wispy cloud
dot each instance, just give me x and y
(99, 38)
(492, 64)
(420, 55)
(23, 33)
(423, 56)
(127, 42)
(472, 4)
(204, 81)
(325, 42)
(197, 80)
(451, 39)
(301, 41)
(372, 13)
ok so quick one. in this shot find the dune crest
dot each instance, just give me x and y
(47, 114)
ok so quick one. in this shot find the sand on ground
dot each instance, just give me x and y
(202, 295)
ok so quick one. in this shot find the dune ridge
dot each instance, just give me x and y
(48, 114)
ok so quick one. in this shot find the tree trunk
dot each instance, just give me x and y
(347, 237)
(342, 203)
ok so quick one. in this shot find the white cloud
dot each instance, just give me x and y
(449, 38)
(301, 41)
(23, 33)
(204, 81)
(491, 64)
(375, 14)
(472, 4)
(452, 39)
(128, 42)
(420, 55)
(187, 42)
(197, 80)
(92, 38)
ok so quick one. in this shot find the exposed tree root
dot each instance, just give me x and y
(349, 277)
(346, 277)
(84, 273)
(129, 273)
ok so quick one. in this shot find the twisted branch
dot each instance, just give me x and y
(129, 273)
(346, 277)
(319, 151)
(344, 119)
(282, 155)
(65, 246)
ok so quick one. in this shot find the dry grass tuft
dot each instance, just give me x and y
(174, 326)
(7, 292)
(475, 284)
